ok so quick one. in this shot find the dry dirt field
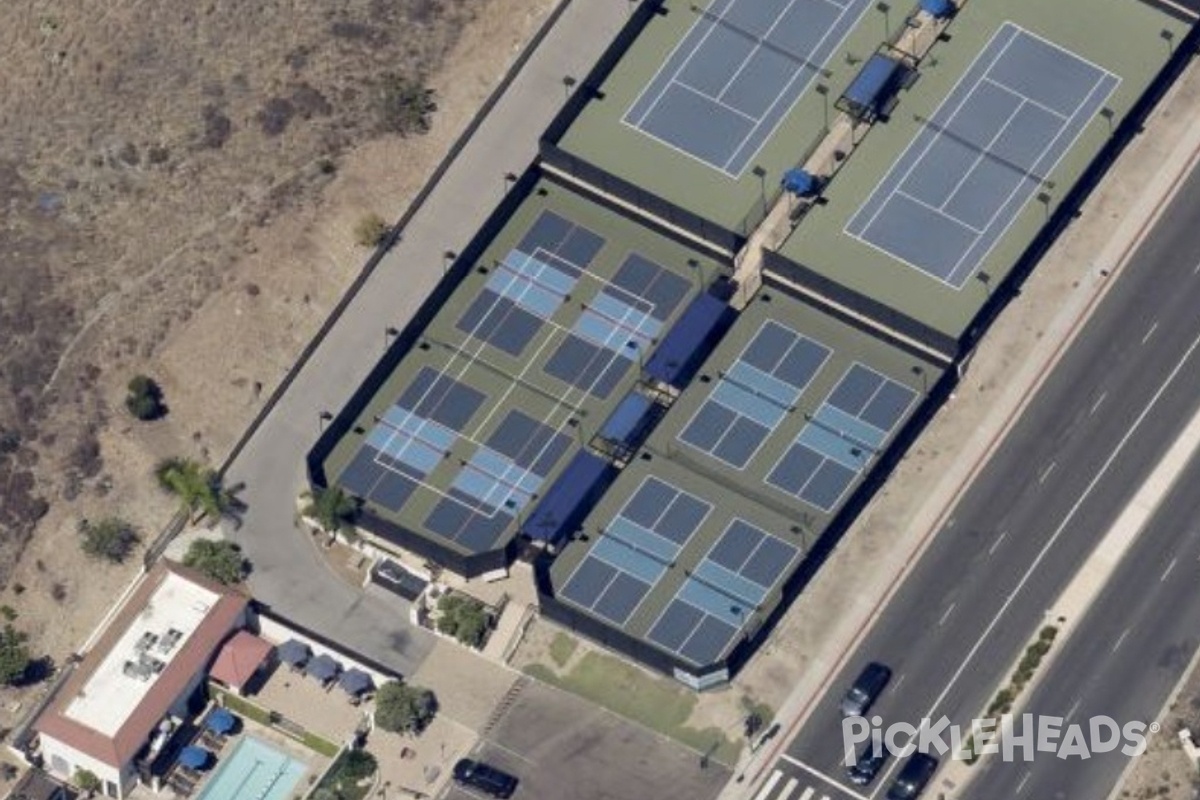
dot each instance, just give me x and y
(1164, 771)
(179, 183)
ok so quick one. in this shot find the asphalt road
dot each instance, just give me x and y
(1100, 423)
(1123, 660)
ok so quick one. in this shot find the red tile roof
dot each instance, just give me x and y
(238, 660)
(193, 657)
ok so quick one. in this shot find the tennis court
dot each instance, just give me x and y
(737, 73)
(837, 442)
(754, 395)
(985, 152)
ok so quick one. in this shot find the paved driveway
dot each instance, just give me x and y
(288, 574)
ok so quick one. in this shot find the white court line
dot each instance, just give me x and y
(1035, 172)
(981, 155)
(1026, 98)
(758, 45)
(937, 131)
(715, 101)
(1062, 526)
(936, 210)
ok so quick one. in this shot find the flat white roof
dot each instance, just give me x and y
(135, 663)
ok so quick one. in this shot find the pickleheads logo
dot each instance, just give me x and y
(1015, 739)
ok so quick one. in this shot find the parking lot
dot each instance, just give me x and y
(541, 739)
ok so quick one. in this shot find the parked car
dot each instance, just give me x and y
(913, 777)
(867, 765)
(485, 778)
(866, 689)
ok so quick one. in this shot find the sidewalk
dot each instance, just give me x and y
(1020, 350)
(290, 577)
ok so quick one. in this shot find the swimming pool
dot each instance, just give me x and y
(253, 771)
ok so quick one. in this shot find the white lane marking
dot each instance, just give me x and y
(1150, 332)
(1096, 404)
(1062, 526)
(1120, 639)
(1196, 269)
(896, 684)
(822, 777)
(769, 786)
(1167, 571)
(996, 544)
(1024, 781)
(788, 788)
(1046, 472)
(946, 615)
(1072, 711)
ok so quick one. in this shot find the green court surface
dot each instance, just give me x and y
(1123, 37)
(462, 465)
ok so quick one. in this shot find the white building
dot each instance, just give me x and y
(142, 671)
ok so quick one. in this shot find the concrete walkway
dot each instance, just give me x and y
(289, 574)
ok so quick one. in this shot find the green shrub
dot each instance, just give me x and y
(371, 230)
(110, 539)
(464, 618)
(145, 399)
(404, 105)
(219, 559)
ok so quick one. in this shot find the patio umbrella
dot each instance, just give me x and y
(193, 757)
(323, 668)
(220, 721)
(293, 652)
(354, 681)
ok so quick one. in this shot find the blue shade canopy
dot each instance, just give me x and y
(937, 8)
(355, 681)
(193, 757)
(293, 652)
(219, 721)
(799, 182)
(323, 668)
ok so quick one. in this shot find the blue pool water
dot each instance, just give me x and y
(253, 771)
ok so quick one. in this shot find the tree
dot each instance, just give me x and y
(145, 398)
(404, 105)
(198, 488)
(111, 539)
(371, 230)
(86, 780)
(464, 618)
(332, 508)
(400, 708)
(14, 655)
(357, 765)
(219, 559)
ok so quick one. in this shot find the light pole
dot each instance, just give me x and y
(762, 184)
(568, 83)
(1108, 115)
(509, 179)
(694, 265)
(884, 8)
(447, 259)
(388, 333)
(322, 418)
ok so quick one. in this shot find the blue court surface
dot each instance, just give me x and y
(530, 283)
(635, 550)
(837, 442)
(619, 326)
(737, 73)
(718, 599)
(750, 399)
(987, 150)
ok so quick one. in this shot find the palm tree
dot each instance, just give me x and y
(333, 509)
(199, 489)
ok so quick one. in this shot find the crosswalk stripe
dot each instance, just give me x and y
(808, 793)
(769, 786)
(788, 788)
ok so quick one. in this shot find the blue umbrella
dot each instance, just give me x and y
(293, 652)
(355, 681)
(323, 668)
(220, 721)
(937, 8)
(193, 757)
